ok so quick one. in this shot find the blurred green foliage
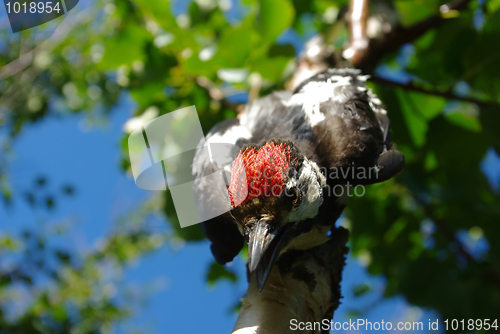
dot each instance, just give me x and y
(52, 290)
(415, 230)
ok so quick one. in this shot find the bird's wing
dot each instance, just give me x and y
(211, 171)
(350, 126)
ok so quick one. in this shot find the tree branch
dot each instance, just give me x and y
(446, 94)
(357, 17)
(303, 285)
(399, 36)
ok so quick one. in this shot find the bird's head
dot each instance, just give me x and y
(273, 190)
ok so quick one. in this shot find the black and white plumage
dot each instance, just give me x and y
(336, 131)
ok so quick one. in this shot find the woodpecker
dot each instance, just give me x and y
(299, 154)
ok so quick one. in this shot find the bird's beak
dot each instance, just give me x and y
(263, 250)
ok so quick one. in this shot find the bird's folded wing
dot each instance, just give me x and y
(350, 126)
(211, 173)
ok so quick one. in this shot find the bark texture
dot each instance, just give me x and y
(304, 285)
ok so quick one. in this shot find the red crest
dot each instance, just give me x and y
(259, 172)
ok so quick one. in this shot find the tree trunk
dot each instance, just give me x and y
(304, 286)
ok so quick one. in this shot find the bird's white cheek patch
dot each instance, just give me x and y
(313, 181)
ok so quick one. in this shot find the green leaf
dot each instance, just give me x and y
(468, 122)
(492, 5)
(68, 190)
(59, 313)
(160, 10)
(114, 55)
(190, 233)
(63, 256)
(426, 39)
(271, 68)
(429, 106)
(415, 121)
(490, 118)
(442, 61)
(412, 12)
(49, 202)
(235, 46)
(217, 272)
(361, 289)
(275, 16)
(394, 231)
(452, 146)
(41, 182)
(147, 94)
(287, 50)
(8, 243)
(430, 162)
(492, 24)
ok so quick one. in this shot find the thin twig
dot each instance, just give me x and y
(489, 276)
(448, 233)
(70, 20)
(446, 94)
(217, 94)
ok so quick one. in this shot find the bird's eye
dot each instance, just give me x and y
(296, 197)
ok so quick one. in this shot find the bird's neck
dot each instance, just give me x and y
(303, 285)
(270, 311)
